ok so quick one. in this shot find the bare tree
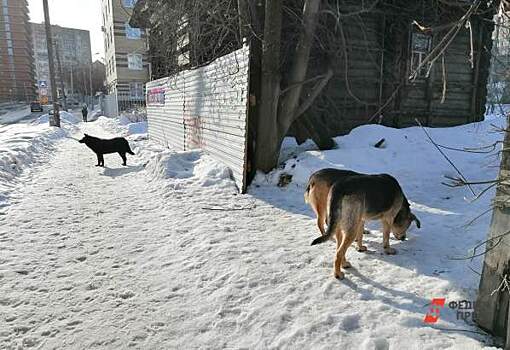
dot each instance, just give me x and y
(279, 109)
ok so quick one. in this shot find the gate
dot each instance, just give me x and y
(205, 108)
(109, 105)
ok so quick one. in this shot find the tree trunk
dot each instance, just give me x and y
(299, 68)
(268, 138)
(276, 114)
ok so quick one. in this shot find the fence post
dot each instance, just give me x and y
(491, 309)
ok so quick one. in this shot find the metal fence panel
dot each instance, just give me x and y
(205, 108)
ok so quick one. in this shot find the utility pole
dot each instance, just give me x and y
(55, 120)
(60, 73)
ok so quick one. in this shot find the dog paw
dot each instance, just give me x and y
(346, 265)
(390, 251)
(363, 248)
(339, 275)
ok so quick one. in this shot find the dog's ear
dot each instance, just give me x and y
(86, 135)
(415, 219)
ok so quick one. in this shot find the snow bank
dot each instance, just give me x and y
(405, 153)
(124, 127)
(290, 148)
(179, 170)
(24, 145)
(96, 113)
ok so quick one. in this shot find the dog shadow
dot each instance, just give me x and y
(125, 170)
(413, 303)
(363, 285)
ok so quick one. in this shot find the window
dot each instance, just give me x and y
(135, 61)
(132, 33)
(420, 47)
(129, 3)
(136, 90)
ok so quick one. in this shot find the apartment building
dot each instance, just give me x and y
(72, 48)
(16, 61)
(127, 66)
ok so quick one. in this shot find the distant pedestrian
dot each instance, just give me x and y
(84, 112)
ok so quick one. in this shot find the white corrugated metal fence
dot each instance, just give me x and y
(205, 108)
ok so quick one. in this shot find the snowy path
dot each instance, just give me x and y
(107, 258)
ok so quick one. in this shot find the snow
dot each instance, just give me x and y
(164, 253)
(65, 118)
(15, 115)
(123, 127)
(22, 146)
(94, 114)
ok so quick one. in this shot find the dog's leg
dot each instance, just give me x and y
(337, 272)
(386, 239)
(98, 159)
(321, 219)
(340, 259)
(346, 264)
(101, 160)
(359, 240)
(123, 156)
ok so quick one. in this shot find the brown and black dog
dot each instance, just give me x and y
(351, 200)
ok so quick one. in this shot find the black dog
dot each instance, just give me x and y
(117, 145)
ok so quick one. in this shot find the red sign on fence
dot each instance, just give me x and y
(156, 96)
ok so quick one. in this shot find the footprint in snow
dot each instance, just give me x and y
(127, 294)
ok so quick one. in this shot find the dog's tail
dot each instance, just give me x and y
(335, 211)
(129, 150)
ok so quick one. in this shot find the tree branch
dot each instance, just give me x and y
(313, 94)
